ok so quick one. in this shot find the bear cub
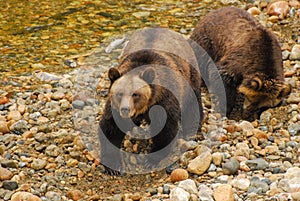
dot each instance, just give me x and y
(248, 58)
(149, 76)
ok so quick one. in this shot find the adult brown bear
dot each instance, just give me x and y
(247, 56)
(157, 83)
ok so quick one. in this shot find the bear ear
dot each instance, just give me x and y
(148, 75)
(255, 83)
(284, 91)
(113, 74)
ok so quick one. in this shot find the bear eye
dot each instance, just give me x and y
(119, 95)
(135, 95)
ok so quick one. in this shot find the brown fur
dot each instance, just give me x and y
(163, 79)
(247, 56)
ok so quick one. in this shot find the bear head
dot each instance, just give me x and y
(130, 93)
(262, 92)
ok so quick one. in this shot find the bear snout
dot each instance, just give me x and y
(125, 112)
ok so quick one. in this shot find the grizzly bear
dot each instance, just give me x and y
(248, 58)
(151, 84)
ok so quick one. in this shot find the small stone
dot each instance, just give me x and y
(9, 164)
(217, 158)
(178, 194)
(205, 193)
(53, 196)
(295, 53)
(117, 197)
(22, 109)
(19, 127)
(257, 164)
(58, 95)
(75, 194)
(52, 150)
(292, 172)
(241, 183)
(38, 164)
(200, 164)
(18, 196)
(166, 189)
(14, 115)
(188, 185)
(224, 193)
(272, 149)
(141, 14)
(242, 149)
(279, 8)
(246, 126)
(78, 104)
(10, 185)
(179, 175)
(3, 127)
(254, 11)
(5, 174)
(258, 186)
(273, 19)
(231, 167)
(296, 195)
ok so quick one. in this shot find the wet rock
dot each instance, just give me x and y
(5, 174)
(38, 164)
(24, 196)
(10, 185)
(179, 175)
(224, 193)
(231, 167)
(188, 185)
(19, 127)
(75, 194)
(3, 127)
(178, 194)
(279, 8)
(200, 164)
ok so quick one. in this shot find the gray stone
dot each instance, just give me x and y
(188, 185)
(294, 129)
(78, 104)
(179, 194)
(231, 167)
(205, 193)
(257, 164)
(53, 196)
(19, 127)
(38, 164)
(10, 185)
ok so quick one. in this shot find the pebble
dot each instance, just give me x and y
(242, 149)
(200, 164)
(53, 150)
(241, 183)
(254, 11)
(38, 164)
(179, 194)
(279, 8)
(75, 194)
(78, 104)
(19, 127)
(231, 167)
(224, 192)
(18, 196)
(217, 158)
(3, 127)
(141, 14)
(258, 186)
(5, 174)
(179, 175)
(10, 185)
(188, 185)
(257, 164)
(53, 196)
(205, 193)
(295, 53)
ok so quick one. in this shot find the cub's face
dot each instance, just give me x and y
(130, 94)
(260, 93)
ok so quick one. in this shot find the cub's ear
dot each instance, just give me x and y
(148, 75)
(284, 91)
(113, 74)
(255, 84)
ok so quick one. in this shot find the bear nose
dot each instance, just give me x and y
(125, 111)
